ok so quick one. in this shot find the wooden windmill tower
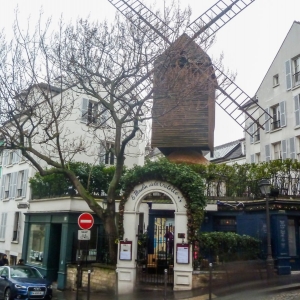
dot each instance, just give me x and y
(183, 123)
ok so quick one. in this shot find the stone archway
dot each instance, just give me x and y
(127, 268)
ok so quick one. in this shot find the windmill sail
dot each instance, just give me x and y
(136, 12)
(217, 16)
(233, 100)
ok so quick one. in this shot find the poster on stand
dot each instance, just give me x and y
(125, 250)
(182, 253)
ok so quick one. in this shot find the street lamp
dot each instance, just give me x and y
(265, 188)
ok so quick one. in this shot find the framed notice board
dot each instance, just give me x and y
(183, 253)
(125, 250)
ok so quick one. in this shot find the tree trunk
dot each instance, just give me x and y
(111, 231)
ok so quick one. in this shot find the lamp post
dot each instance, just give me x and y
(265, 188)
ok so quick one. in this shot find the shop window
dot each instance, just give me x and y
(292, 237)
(225, 224)
(35, 251)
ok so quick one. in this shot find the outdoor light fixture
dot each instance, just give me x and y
(265, 188)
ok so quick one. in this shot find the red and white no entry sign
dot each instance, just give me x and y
(85, 221)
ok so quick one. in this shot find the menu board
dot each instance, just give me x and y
(182, 253)
(125, 250)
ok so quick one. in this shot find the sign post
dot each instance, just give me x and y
(85, 222)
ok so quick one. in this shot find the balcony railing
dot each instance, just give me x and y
(275, 124)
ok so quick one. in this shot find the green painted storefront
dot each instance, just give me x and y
(50, 242)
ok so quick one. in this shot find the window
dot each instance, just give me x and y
(93, 112)
(21, 185)
(278, 114)
(277, 150)
(7, 180)
(10, 157)
(257, 157)
(106, 153)
(255, 135)
(14, 185)
(35, 251)
(275, 112)
(296, 70)
(275, 80)
(16, 227)
(3, 225)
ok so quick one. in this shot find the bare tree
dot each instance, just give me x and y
(43, 74)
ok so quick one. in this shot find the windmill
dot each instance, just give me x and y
(182, 129)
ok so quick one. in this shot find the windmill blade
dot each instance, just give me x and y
(217, 16)
(143, 18)
(234, 101)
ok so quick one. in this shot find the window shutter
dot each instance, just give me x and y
(2, 187)
(284, 149)
(3, 225)
(267, 120)
(251, 131)
(13, 185)
(5, 158)
(288, 75)
(267, 152)
(282, 114)
(297, 110)
(84, 110)
(25, 183)
(252, 158)
(102, 152)
(292, 148)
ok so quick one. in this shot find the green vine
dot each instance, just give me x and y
(182, 177)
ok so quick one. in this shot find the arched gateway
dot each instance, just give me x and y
(126, 266)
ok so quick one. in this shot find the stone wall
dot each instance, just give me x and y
(103, 278)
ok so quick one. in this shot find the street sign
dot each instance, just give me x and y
(84, 235)
(85, 221)
(23, 205)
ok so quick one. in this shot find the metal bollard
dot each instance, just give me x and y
(166, 280)
(210, 280)
(78, 278)
(116, 286)
(89, 285)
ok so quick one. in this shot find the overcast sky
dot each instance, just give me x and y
(249, 42)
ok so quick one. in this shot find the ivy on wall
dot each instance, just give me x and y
(190, 184)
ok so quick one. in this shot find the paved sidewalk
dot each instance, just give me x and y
(248, 291)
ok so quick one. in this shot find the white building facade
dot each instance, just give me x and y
(279, 94)
(15, 193)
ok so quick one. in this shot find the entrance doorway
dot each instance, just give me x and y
(55, 242)
(156, 249)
